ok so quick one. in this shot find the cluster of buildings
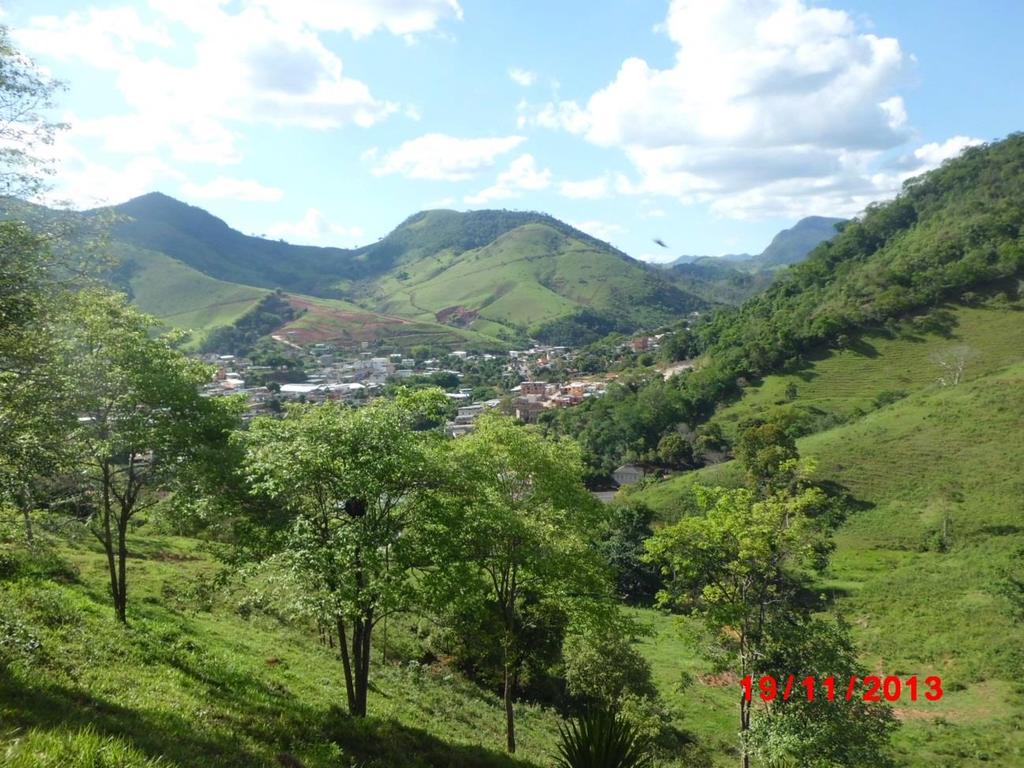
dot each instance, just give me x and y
(532, 398)
(330, 376)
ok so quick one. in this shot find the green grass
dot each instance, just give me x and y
(183, 297)
(840, 382)
(525, 277)
(214, 688)
(950, 457)
(211, 678)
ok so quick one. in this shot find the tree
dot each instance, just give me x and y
(819, 733)
(741, 566)
(358, 483)
(674, 450)
(27, 283)
(516, 539)
(139, 413)
(953, 364)
(769, 455)
(637, 581)
(25, 95)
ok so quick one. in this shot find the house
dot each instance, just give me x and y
(627, 474)
(527, 409)
(639, 344)
(533, 388)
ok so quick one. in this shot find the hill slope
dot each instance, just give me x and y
(919, 569)
(792, 245)
(501, 273)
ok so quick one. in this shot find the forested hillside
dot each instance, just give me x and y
(954, 234)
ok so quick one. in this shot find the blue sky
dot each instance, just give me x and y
(708, 125)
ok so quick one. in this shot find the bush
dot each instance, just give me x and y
(603, 669)
(602, 739)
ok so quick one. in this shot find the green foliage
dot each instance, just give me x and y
(602, 739)
(515, 533)
(86, 748)
(768, 453)
(629, 526)
(356, 481)
(133, 413)
(820, 733)
(272, 311)
(602, 667)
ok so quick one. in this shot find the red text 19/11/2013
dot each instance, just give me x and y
(868, 688)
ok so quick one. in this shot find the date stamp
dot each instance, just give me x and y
(867, 688)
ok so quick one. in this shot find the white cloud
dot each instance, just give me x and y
(588, 189)
(932, 155)
(446, 158)
(771, 107)
(227, 188)
(191, 72)
(85, 183)
(522, 77)
(364, 17)
(105, 38)
(315, 229)
(521, 175)
(600, 229)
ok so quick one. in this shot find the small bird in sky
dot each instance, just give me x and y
(660, 242)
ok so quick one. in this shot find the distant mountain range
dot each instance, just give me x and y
(789, 246)
(489, 278)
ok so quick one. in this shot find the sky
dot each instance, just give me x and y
(707, 124)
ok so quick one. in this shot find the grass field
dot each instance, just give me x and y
(918, 569)
(208, 677)
(183, 297)
(841, 382)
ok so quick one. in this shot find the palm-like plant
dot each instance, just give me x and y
(601, 739)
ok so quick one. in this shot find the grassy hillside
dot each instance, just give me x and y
(837, 384)
(204, 676)
(918, 569)
(530, 275)
(496, 273)
(179, 295)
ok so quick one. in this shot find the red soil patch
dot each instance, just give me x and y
(457, 315)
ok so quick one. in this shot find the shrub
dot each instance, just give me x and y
(602, 739)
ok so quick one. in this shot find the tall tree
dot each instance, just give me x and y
(517, 539)
(137, 413)
(357, 482)
(740, 566)
(26, 93)
(27, 284)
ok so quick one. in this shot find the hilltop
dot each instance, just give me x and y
(488, 278)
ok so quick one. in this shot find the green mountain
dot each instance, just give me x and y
(502, 274)
(792, 245)
(789, 246)
(734, 278)
(482, 278)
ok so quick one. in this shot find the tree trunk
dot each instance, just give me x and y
(121, 602)
(108, 544)
(744, 727)
(29, 537)
(346, 662)
(510, 715)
